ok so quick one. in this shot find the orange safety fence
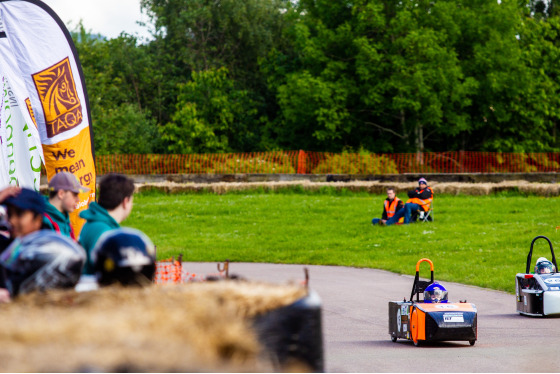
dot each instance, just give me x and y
(171, 271)
(220, 163)
(306, 162)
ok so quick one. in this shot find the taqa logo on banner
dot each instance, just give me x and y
(60, 102)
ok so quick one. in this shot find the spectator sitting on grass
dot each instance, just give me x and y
(64, 189)
(113, 206)
(391, 205)
(420, 199)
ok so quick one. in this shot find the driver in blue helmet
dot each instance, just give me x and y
(543, 266)
(435, 293)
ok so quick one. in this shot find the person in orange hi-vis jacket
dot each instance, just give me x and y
(391, 206)
(420, 199)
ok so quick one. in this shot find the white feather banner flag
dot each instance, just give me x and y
(44, 92)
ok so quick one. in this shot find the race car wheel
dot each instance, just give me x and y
(471, 342)
(414, 326)
(393, 338)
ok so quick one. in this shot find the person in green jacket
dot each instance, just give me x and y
(114, 204)
(64, 189)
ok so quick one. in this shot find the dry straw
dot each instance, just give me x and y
(176, 328)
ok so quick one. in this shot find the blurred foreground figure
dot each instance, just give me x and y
(41, 260)
(114, 204)
(125, 256)
(35, 259)
(25, 209)
(64, 196)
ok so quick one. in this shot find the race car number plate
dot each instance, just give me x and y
(453, 317)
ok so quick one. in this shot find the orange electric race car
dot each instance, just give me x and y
(433, 318)
(538, 293)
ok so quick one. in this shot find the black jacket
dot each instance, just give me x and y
(424, 194)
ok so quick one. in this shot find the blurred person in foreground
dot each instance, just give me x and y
(64, 190)
(35, 259)
(124, 256)
(114, 204)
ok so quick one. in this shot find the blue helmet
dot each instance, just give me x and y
(435, 293)
(126, 256)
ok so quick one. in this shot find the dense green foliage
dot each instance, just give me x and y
(329, 75)
(478, 240)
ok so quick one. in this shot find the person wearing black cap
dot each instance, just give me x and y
(420, 200)
(36, 259)
(25, 215)
(25, 211)
(64, 189)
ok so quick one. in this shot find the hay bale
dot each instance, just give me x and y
(541, 189)
(179, 328)
(372, 187)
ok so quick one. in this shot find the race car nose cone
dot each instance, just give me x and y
(551, 303)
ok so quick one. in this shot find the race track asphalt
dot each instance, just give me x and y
(355, 323)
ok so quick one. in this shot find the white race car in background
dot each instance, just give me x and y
(538, 294)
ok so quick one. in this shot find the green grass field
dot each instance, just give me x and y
(478, 240)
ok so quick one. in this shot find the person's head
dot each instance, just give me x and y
(390, 193)
(125, 256)
(64, 189)
(435, 293)
(115, 191)
(25, 212)
(42, 260)
(543, 266)
(422, 183)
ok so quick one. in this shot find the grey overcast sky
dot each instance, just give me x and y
(106, 17)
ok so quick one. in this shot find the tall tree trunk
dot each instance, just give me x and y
(403, 127)
(419, 143)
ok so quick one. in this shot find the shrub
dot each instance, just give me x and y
(353, 163)
(253, 165)
(522, 163)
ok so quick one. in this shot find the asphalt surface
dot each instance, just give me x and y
(355, 323)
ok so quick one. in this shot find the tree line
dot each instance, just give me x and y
(372, 76)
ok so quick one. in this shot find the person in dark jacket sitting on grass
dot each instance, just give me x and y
(113, 206)
(391, 205)
(420, 199)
